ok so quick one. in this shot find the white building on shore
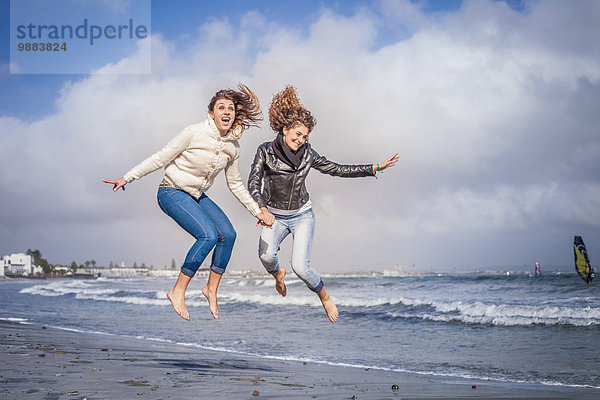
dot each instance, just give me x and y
(18, 264)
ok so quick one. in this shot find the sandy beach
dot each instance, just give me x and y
(41, 362)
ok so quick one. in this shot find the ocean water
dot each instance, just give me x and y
(506, 328)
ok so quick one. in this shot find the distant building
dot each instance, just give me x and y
(397, 271)
(18, 264)
(125, 273)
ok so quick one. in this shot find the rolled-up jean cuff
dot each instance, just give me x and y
(274, 272)
(319, 287)
(188, 272)
(217, 270)
(190, 268)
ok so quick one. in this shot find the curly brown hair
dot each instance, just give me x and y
(286, 111)
(247, 106)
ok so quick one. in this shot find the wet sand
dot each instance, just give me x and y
(46, 363)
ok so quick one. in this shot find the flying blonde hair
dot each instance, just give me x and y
(286, 111)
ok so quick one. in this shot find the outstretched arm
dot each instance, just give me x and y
(322, 164)
(326, 166)
(119, 183)
(157, 160)
(390, 162)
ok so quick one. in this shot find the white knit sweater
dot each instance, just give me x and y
(193, 159)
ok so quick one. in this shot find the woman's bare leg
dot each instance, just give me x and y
(328, 305)
(177, 295)
(279, 281)
(210, 292)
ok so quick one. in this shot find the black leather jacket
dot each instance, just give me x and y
(284, 187)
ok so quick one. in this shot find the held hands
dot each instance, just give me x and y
(119, 183)
(265, 218)
(390, 162)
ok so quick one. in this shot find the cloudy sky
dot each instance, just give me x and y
(493, 106)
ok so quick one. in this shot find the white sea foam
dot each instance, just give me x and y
(260, 282)
(270, 299)
(19, 320)
(504, 314)
(125, 299)
(478, 312)
(261, 291)
(62, 288)
(371, 302)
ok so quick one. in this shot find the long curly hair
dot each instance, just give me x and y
(247, 107)
(286, 111)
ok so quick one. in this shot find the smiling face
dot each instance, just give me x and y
(223, 114)
(296, 136)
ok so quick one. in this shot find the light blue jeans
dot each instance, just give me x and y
(302, 228)
(206, 222)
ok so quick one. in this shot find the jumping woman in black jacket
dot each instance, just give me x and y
(280, 168)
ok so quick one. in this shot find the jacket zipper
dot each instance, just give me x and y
(292, 191)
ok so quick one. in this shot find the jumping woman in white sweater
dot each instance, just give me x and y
(192, 160)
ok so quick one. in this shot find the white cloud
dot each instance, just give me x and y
(494, 113)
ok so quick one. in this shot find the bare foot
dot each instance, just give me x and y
(212, 301)
(178, 303)
(280, 284)
(329, 306)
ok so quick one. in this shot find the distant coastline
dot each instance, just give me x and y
(145, 273)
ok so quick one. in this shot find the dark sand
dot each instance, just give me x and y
(46, 363)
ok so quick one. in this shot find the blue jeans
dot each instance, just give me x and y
(302, 228)
(206, 222)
